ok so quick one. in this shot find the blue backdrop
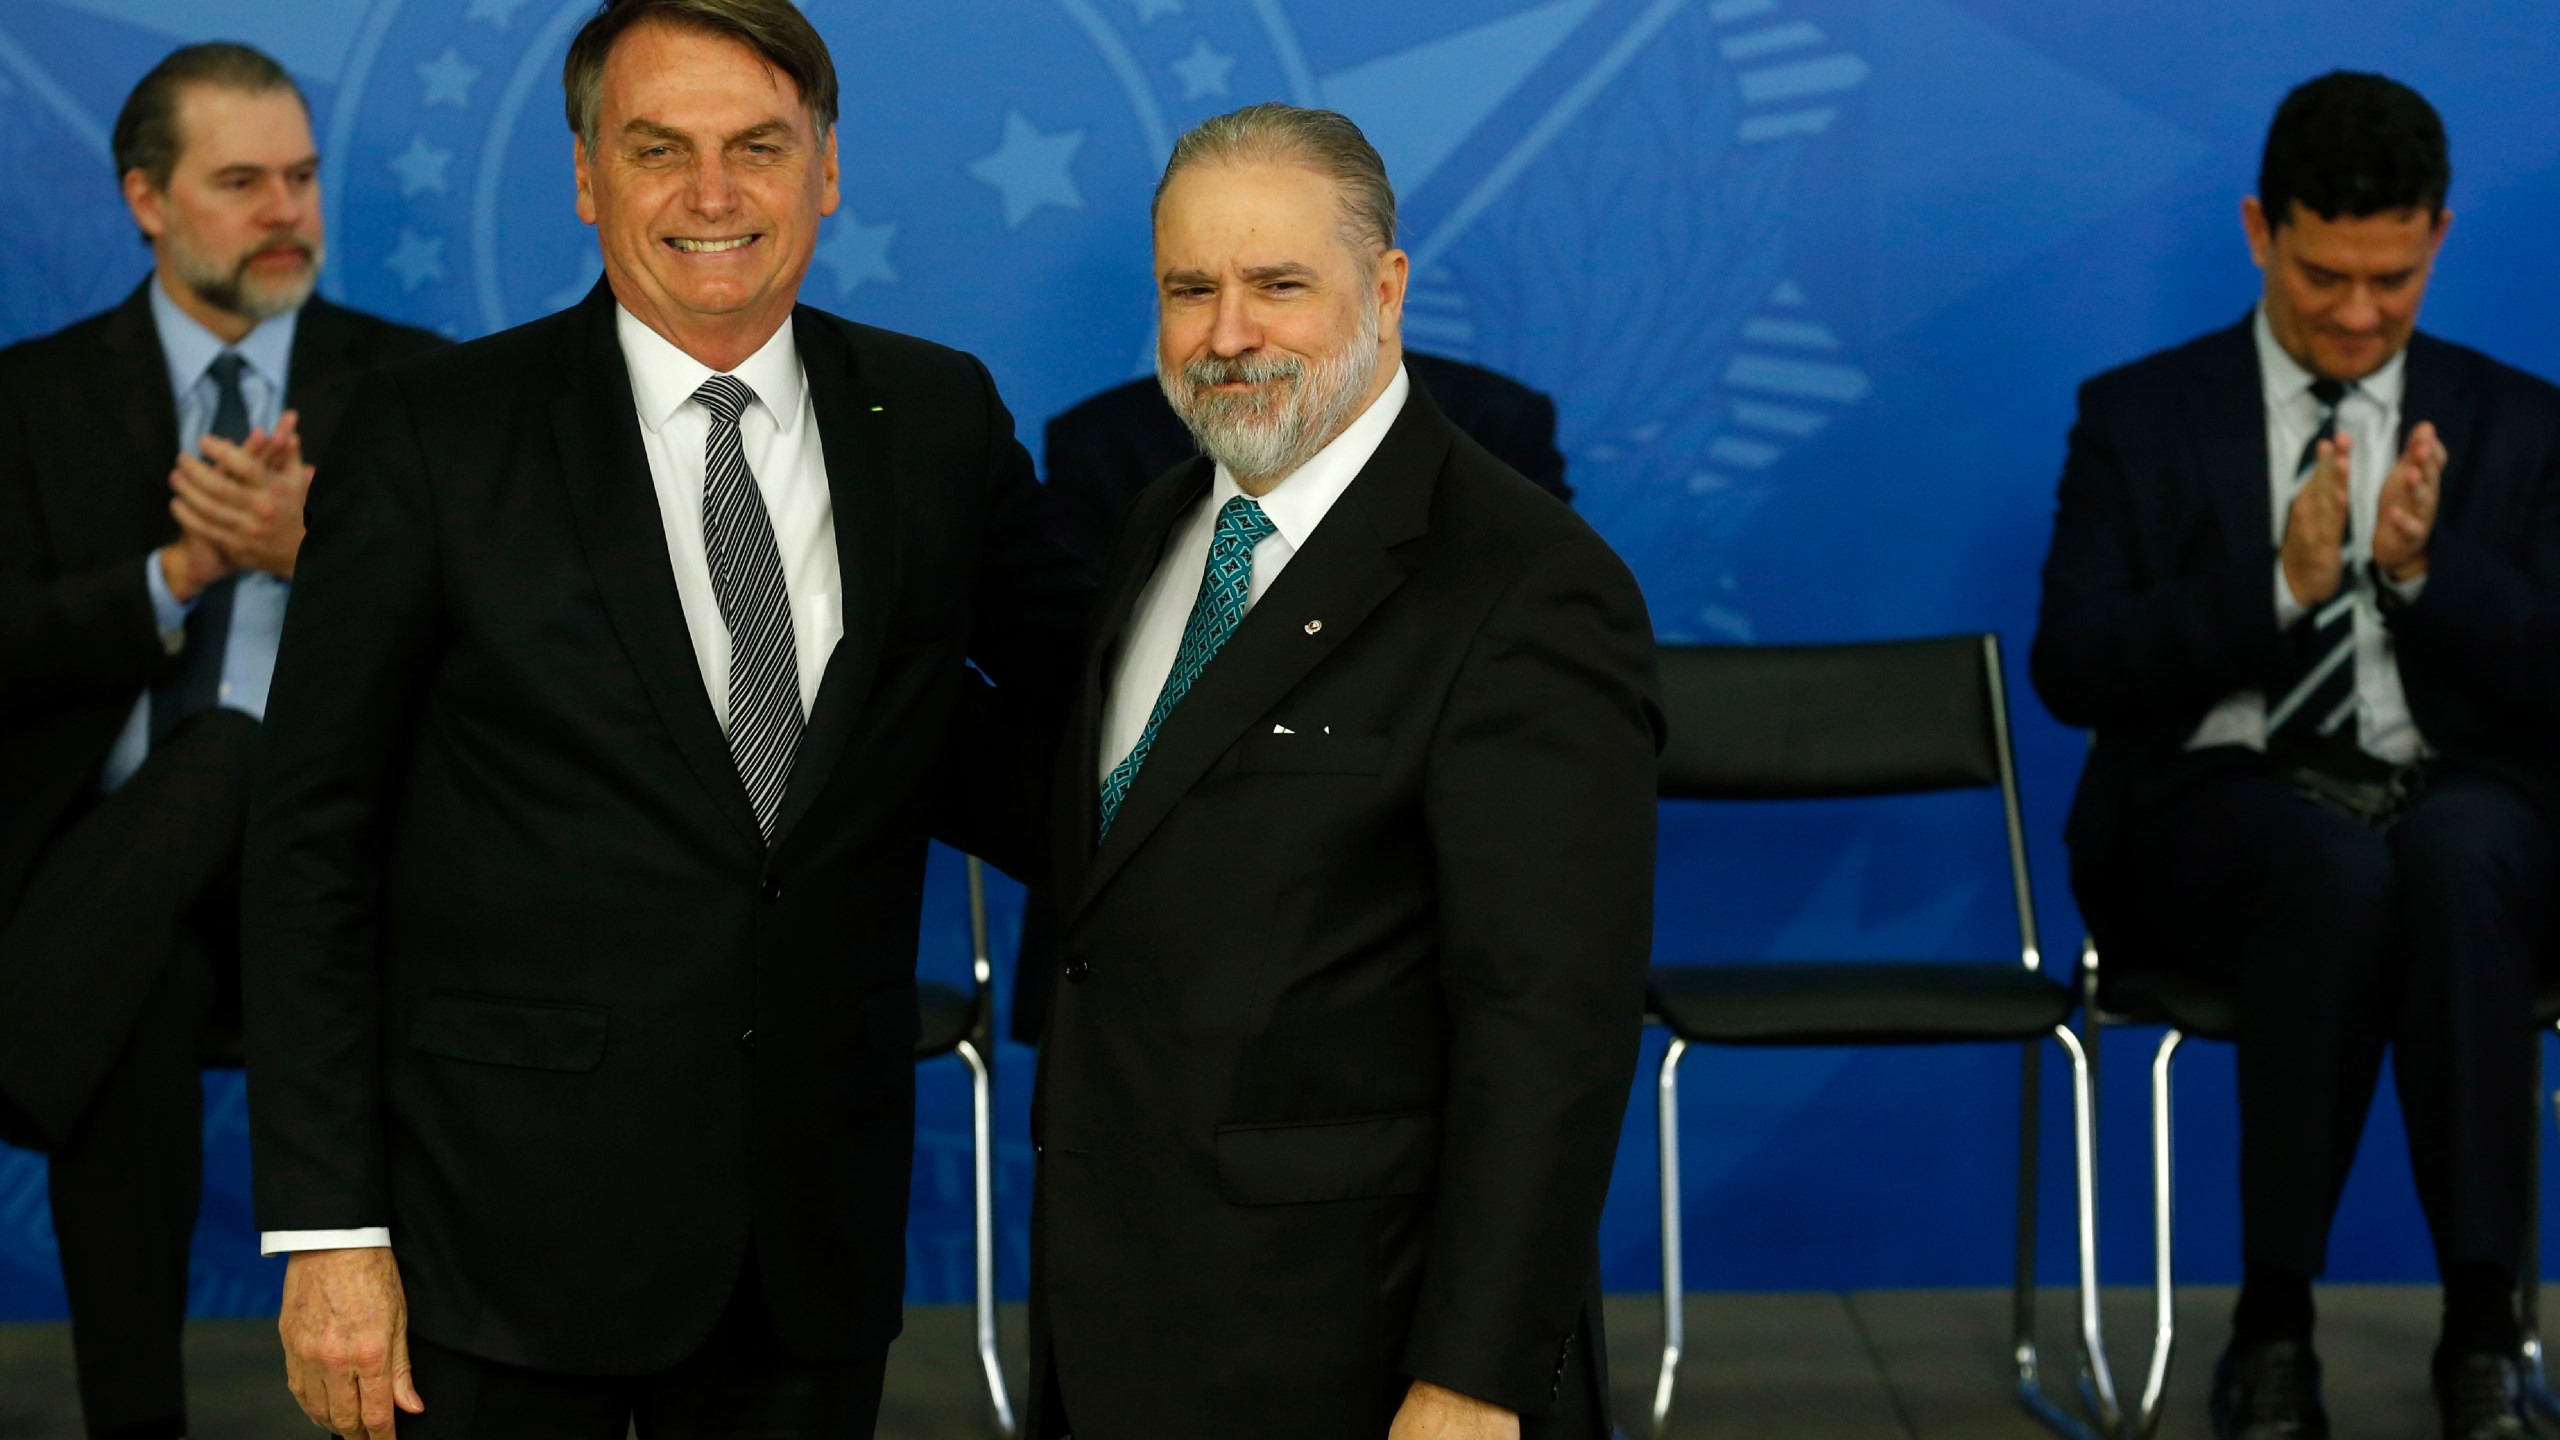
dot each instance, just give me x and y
(1810, 280)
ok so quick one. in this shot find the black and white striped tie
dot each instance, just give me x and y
(746, 573)
(2315, 694)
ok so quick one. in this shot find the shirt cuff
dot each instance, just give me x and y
(167, 610)
(2288, 609)
(2405, 591)
(282, 1242)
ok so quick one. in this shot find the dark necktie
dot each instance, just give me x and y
(746, 574)
(2314, 698)
(196, 684)
(1226, 582)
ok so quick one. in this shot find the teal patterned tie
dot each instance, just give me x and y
(1225, 583)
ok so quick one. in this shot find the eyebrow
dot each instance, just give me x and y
(1285, 270)
(245, 169)
(652, 130)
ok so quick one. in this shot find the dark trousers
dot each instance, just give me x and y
(2343, 938)
(117, 958)
(740, 1384)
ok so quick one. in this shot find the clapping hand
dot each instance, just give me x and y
(244, 501)
(2407, 515)
(2315, 528)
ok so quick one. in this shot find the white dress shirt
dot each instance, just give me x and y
(779, 436)
(2370, 412)
(1295, 507)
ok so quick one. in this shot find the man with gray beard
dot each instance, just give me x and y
(1355, 866)
(152, 469)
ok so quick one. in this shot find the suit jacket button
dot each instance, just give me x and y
(747, 1041)
(1078, 970)
(773, 889)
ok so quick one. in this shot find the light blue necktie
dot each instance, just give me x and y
(1225, 583)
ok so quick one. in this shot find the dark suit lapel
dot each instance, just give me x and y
(607, 475)
(856, 432)
(2230, 434)
(1345, 571)
(2433, 389)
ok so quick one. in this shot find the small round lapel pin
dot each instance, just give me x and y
(1314, 625)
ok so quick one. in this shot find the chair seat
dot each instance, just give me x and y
(1856, 1002)
(945, 1010)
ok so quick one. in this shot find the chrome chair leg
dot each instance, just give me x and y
(2022, 1296)
(1674, 1331)
(2164, 1321)
(2097, 1379)
(982, 1184)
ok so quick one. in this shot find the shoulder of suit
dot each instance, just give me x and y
(2487, 377)
(893, 358)
(2139, 380)
(44, 354)
(1498, 519)
(372, 336)
(1464, 382)
(1109, 410)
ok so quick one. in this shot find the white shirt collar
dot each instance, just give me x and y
(663, 377)
(1298, 503)
(190, 348)
(2282, 379)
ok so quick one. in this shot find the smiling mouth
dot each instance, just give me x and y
(712, 247)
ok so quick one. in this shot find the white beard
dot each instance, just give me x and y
(1295, 409)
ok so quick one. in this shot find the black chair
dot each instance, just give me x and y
(963, 1023)
(2191, 1008)
(1804, 722)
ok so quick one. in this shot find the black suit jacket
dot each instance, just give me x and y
(1104, 449)
(524, 981)
(88, 434)
(1330, 1095)
(2158, 591)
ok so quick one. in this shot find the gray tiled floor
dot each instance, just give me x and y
(1876, 1365)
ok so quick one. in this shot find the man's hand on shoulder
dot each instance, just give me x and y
(345, 1324)
(1434, 1412)
(2315, 527)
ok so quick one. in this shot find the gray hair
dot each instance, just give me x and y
(1324, 141)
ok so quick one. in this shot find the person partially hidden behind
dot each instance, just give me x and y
(2302, 586)
(153, 461)
(1354, 841)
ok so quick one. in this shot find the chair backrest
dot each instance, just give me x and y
(1792, 722)
(1777, 722)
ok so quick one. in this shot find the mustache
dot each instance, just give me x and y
(1209, 370)
(278, 240)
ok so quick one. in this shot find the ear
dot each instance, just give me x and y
(2444, 222)
(2262, 238)
(586, 180)
(829, 198)
(1395, 271)
(148, 204)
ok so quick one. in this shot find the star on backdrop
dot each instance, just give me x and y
(421, 167)
(448, 79)
(1031, 169)
(417, 260)
(495, 12)
(1149, 10)
(859, 252)
(1204, 71)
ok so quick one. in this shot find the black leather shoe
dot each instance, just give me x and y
(2480, 1394)
(2269, 1391)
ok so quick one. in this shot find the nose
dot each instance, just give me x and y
(713, 193)
(2360, 312)
(280, 204)
(1235, 331)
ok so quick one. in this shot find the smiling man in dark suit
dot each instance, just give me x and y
(1355, 863)
(632, 648)
(152, 469)
(2302, 585)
